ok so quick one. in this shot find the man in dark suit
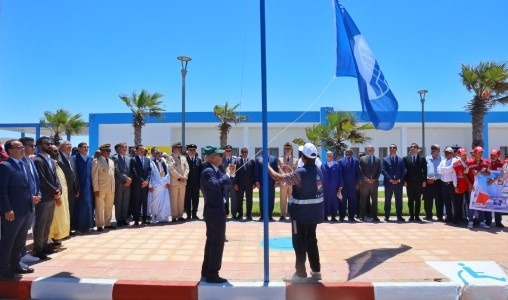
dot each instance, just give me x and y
(123, 180)
(192, 188)
(258, 175)
(51, 191)
(350, 168)
(229, 192)
(415, 181)
(244, 183)
(370, 168)
(68, 166)
(17, 195)
(212, 185)
(394, 171)
(140, 168)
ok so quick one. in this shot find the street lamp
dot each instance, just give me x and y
(185, 60)
(422, 99)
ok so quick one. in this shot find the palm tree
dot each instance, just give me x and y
(226, 115)
(142, 105)
(61, 122)
(488, 81)
(342, 127)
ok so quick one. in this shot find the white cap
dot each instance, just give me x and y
(309, 150)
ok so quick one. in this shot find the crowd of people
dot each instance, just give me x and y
(62, 191)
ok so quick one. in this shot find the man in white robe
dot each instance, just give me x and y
(158, 196)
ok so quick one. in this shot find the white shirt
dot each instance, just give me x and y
(447, 172)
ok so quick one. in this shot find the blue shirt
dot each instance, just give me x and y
(432, 164)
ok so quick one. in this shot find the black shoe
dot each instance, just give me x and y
(146, 223)
(174, 220)
(440, 219)
(448, 220)
(499, 224)
(215, 279)
(387, 219)
(181, 219)
(136, 223)
(195, 217)
(188, 217)
(40, 255)
(20, 270)
(341, 219)
(56, 244)
(428, 219)
(49, 250)
(100, 229)
(260, 220)
(411, 219)
(110, 227)
(352, 220)
(282, 218)
(334, 219)
(401, 219)
(376, 219)
(249, 218)
(417, 219)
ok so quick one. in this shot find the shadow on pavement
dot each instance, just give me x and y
(368, 260)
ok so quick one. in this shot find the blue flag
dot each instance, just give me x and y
(354, 59)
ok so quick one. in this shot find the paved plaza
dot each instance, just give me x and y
(360, 252)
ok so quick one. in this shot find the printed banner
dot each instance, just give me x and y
(490, 192)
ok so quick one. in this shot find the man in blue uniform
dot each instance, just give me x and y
(213, 182)
(306, 210)
(350, 168)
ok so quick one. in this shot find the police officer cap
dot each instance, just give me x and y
(227, 147)
(191, 146)
(288, 144)
(105, 147)
(211, 149)
(177, 145)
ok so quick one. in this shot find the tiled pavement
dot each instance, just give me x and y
(361, 252)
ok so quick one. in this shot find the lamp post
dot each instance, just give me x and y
(185, 60)
(422, 99)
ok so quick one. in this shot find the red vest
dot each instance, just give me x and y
(496, 165)
(478, 166)
(462, 184)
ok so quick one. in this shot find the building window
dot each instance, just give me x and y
(356, 150)
(383, 152)
(271, 151)
(504, 151)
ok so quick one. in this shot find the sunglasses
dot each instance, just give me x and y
(245, 152)
(86, 147)
(54, 151)
(228, 150)
(107, 150)
(393, 147)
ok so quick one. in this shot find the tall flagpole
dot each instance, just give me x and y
(264, 119)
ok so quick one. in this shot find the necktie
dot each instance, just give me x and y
(371, 160)
(122, 160)
(414, 160)
(287, 159)
(107, 161)
(23, 170)
(393, 160)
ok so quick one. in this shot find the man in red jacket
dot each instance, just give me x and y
(462, 187)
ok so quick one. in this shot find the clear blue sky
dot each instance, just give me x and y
(80, 55)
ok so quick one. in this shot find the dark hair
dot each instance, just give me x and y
(8, 145)
(244, 149)
(139, 146)
(81, 144)
(414, 145)
(117, 146)
(26, 139)
(42, 138)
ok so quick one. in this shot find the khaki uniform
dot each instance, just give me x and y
(103, 181)
(286, 190)
(178, 168)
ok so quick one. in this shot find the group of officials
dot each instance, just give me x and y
(445, 182)
(59, 194)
